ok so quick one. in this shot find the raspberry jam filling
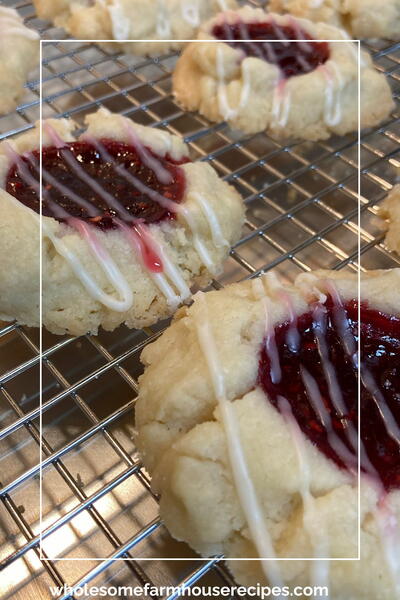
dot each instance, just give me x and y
(380, 360)
(295, 58)
(68, 173)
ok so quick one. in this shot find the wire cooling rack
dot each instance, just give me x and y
(302, 214)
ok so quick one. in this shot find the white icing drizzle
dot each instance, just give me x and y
(223, 103)
(12, 25)
(81, 174)
(198, 243)
(103, 258)
(222, 4)
(349, 344)
(310, 384)
(342, 324)
(313, 524)
(191, 12)
(134, 181)
(281, 98)
(139, 230)
(245, 35)
(385, 518)
(108, 266)
(333, 92)
(150, 161)
(246, 86)
(281, 101)
(243, 483)
(303, 61)
(120, 24)
(92, 210)
(318, 405)
(305, 46)
(388, 526)
(367, 377)
(13, 156)
(212, 220)
(293, 335)
(163, 20)
(335, 393)
(174, 273)
(162, 174)
(82, 274)
(270, 341)
(387, 523)
(173, 207)
(270, 51)
(279, 33)
(386, 414)
(31, 181)
(319, 328)
(173, 300)
(225, 109)
(227, 32)
(135, 235)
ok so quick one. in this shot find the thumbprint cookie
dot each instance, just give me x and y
(248, 421)
(291, 87)
(167, 22)
(19, 54)
(361, 18)
(129, 223)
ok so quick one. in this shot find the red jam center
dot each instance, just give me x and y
(296, 58)
(380, 358)
(67, 172)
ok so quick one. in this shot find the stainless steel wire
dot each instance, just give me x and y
(302, 214)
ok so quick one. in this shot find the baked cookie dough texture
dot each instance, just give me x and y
(361, 18)
(19, 54)
(252, 95)
(184, 437)
(193, 245)
(390, 212)
(132, 20)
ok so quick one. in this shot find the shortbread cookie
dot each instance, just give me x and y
(361, 18)
(390, 212)
(247, 420)
(129, 224)
(305, 90)
(19, 53)
(146, 20)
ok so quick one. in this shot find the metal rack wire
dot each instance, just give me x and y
(302, 214)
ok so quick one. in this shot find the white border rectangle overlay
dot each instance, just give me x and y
(41, 468)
